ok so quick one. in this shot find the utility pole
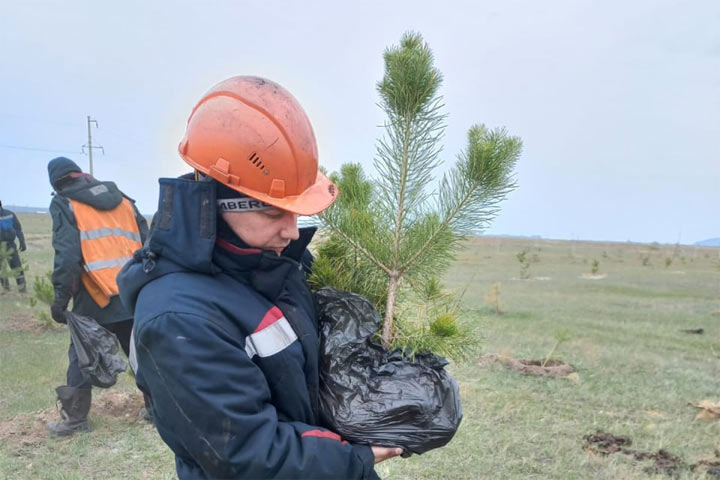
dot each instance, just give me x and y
(89, 145)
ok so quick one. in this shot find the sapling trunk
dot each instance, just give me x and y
(387, 332)
(561, 335)
(550, 353)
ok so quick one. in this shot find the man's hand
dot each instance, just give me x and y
(23, 247)
(383, 453)
(58, 313)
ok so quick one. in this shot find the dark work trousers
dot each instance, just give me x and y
(14, 262)
(75, 377)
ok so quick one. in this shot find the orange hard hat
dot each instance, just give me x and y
(251, 134)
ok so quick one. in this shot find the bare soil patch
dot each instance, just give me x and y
(532, 279)
(711, 466)
(590, 276)
(663, 462)
(21, 322)
(553, 368)
(118, 405)
(708, 410)
(695, 331)
(29, 429)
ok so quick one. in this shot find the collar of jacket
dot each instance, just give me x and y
(93, 192)
(264, 270)
(229, 255)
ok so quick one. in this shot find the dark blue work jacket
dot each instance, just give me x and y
(227, 345)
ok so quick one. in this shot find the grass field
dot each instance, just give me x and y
(636, 370)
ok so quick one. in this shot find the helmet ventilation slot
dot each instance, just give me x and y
(255, 159)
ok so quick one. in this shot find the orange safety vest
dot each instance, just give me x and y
(108, 239)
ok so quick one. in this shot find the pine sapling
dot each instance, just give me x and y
(561, 335)
(5, 270)
(43, 295)
(493, 298)
(524, 260)
(406, 233)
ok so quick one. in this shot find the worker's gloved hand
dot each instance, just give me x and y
(23, 247)
(57, 312)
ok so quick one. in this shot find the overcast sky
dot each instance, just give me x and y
(617, 102)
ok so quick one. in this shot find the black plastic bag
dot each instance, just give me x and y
(97, 349)
(371, 396)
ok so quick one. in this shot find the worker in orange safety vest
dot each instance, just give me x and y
(96, 229)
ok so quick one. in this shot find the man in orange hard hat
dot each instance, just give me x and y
(96, 229)
(225, 337)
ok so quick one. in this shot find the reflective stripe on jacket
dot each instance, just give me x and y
(7, 226)
(108, 239)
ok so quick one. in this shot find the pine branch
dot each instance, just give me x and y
(430, 241)
(481, 181)
(360, 248)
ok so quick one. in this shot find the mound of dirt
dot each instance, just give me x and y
(553, 368)
(605, 443)
(711, 467)
(29, 429)
(118, 405)
(695, 331)
(664, 462)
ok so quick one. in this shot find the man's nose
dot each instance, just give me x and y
(290, 227)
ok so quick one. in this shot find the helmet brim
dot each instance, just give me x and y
(316, 198)
(313, 200)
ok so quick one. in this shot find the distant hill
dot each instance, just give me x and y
(314, 222)
(18, 209)
(710, 242)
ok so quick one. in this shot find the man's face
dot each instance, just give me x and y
(271, 229)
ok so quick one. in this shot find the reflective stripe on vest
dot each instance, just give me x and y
(100, 264)
(108, 239)
(273, 335)
(108, 232)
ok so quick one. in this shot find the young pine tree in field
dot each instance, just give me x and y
(393, 234)
(6, 273)
(43, 295)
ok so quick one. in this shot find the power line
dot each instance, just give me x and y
(40, 120)
(17, 147)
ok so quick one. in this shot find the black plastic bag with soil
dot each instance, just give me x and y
(97, 349)
(371, 396)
